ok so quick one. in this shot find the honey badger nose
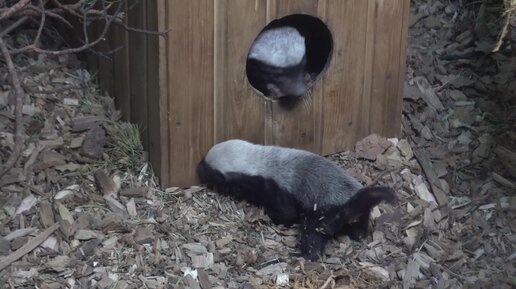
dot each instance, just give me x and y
(294, 87)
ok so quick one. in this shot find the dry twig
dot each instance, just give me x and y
(29, 246)
(18, 92)
(87, 12)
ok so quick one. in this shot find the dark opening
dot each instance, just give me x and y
(318, 51)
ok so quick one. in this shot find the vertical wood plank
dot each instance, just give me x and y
(190, 58)
(388, 59)
(239, 111)
(163, 166)
(153, 83)
(344, 82)
(138, 68)
(363, 126)
(298, 126)
(397, 128)
(120, 38)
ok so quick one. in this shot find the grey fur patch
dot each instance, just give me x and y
(312, 179)
(280, 47)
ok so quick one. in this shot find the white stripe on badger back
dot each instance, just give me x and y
(280, 47)
(239, 156)
(310, 177)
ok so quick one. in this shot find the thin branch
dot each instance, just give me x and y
(34, 11)
(13, 26)
(29, 246)
(34, 90)
(49, 12)
(132, 29)
(106, 54)
(18, 92)
(13, 9)
(86, 45)
(41, 24)
(127, 28)
(68, 8)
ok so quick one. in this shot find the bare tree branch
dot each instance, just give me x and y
(15, 25)
(84, 12)
(42, 23)
(6, 13)
(85, 46)
(18, 92)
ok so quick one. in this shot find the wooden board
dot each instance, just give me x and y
(153, 84)
(190, 59)
(300, 126)
(390, 22)
(344, 82)
(120, 38)
(239, 111)
(138, 68)
(162, 165)
(189, 90)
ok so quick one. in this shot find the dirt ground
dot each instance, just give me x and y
(81, 210)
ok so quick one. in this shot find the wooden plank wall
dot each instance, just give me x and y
(132, 73)
(155, 130)
(345, 82)
(190, 63)
(239, 112)
(119, 39)
(300, 126)
(390, 33)
(189, 90)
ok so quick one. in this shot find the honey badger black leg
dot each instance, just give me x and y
(317, 227)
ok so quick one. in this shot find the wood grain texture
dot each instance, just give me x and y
(363, 114)
(299, 126)
(344, 82)
(190, 62)
(189, 90)
(120, 38)
(388, 66)
(138, 69)
(162, 166)
(239, 111)
(153, 85)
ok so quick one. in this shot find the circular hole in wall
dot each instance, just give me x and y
(289, 56)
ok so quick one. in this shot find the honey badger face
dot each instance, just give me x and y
(278, 63)
(287, 82)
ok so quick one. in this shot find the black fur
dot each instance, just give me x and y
(286, 84)
(280, 206)
(318, 225)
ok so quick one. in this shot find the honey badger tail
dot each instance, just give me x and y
(357, 210)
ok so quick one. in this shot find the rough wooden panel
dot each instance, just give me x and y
(120, 38)
(162, 166)
(299, 126)
(190, 63)
(239, 112)
(389, 59)
(286, 7)
(344, 82)
(363, 114)
(190, 90)
(153, 96)
(138, 68)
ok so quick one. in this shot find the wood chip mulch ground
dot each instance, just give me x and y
(74, 214)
